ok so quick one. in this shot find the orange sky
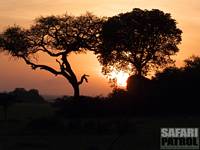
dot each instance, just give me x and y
(14, 73)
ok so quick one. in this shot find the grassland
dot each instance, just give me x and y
(36, 127)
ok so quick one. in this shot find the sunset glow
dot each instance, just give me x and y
(15, 73)
(121, 78)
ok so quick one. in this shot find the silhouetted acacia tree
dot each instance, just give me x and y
(139, 41)
(56, 36)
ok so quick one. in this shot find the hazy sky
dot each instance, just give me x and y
(14, 73)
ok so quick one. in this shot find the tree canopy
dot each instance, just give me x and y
(56, 36)
(138, 41)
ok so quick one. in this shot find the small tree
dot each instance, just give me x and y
(139, 41)
(56, 36)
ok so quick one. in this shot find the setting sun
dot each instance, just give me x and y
(121, 78)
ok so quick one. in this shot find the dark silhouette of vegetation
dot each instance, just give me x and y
(22, 95)
(6, 100)
(178, 87)
(172, 91)
(19, 95)
(139, 41)
(117, 93)
(56, 36)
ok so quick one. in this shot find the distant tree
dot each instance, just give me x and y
(192, 72)
(189, 71)
(192, 63)
(31, 96)
(6, 100)
(138, 41)
(169, 73)
(56, 36)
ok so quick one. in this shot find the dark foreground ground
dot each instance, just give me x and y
(20, 132)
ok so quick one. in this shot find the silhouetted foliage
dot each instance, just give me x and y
(22, 95)
(117, 93)
(178, 87)
(169, 72)
(192, 65)
(173, 91)
(139, 41)
(56, 36)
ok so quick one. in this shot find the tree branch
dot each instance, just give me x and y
(84, 77)
(63, 70)
(67, 66)
(51, 53)
(43, 67)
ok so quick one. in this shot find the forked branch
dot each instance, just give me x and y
(84, 77)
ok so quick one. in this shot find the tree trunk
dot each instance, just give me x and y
(139, 72)
(76, 90)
